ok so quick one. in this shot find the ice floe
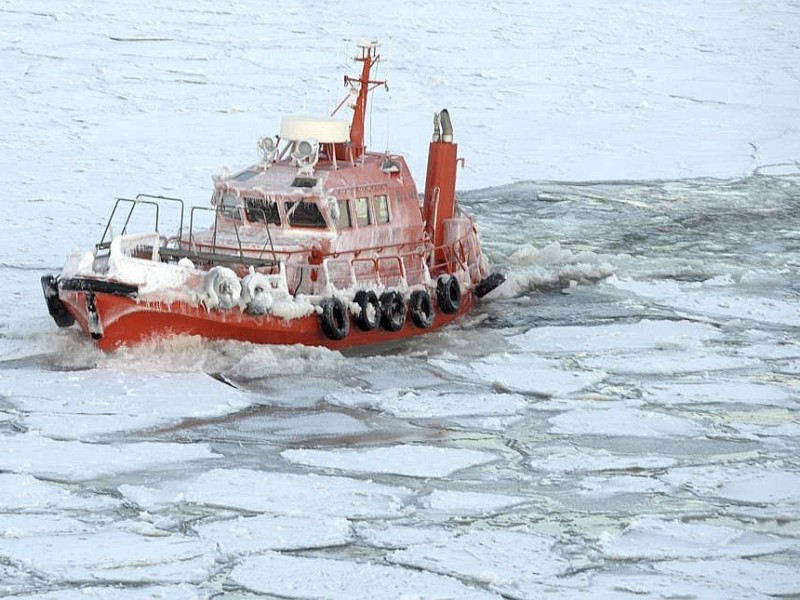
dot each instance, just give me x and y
(456, 503)
(511, 562)
(114, 555)
(80, 461)
(750, 484)
(523, 373)
(279, 494)
(254, 535)
(772, 579)
(313, 578)
(19, 492)
(421, 404)
(703, 298)
(719, 392)
(85, 404)
(409, 460)
(568, 459)
(663, 539)
(622, 421)
(619, 338)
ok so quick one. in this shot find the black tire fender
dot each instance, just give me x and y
(420, 306)
(448, 294)
(393, 310)
(369, 317)
(334, 319)
(55, 306)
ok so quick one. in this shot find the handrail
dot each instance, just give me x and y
(415, 249)
(169, 199)
(191, 224)
(133, 202)
(217, 257)
(417, 260)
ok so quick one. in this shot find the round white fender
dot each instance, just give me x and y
(256, 293)
(223, 288)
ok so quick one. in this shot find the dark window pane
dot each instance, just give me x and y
(304, 214)
(262, 211)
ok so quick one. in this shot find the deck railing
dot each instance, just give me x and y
(397, 265)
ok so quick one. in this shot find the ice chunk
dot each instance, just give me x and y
(409, 460)
(250, 535)
(302, 577)
(76, 461)
(279, 494)
(651, 538)
(114, 555)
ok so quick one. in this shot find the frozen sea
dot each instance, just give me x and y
(620, 420)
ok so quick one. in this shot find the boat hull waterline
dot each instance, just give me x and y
(125, 321)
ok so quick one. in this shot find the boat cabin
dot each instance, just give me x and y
(303, 190)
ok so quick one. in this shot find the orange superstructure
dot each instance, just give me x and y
(321, 243)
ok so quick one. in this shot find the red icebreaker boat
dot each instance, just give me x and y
(320, 243)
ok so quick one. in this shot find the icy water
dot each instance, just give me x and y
(620, 420)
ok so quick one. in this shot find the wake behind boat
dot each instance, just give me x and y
(319, 243)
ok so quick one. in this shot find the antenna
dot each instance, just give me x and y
(360, 87)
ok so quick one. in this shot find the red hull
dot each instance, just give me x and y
(126, 322)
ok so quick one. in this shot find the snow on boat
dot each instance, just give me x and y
(319, 243)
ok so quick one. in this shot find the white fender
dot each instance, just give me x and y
(223, 288)
(256, 293)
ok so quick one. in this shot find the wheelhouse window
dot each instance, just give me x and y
(259, 210)
(229, 205)
(344, 215)
(362, 211)
(304, 214)
(380, 207)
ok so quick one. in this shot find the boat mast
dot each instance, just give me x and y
(361, 86)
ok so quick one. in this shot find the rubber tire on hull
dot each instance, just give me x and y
(448, 294)
(55, 307)
(333, 319)
(420, 307)
(393, 310)
(488, 284)
(369, 318)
